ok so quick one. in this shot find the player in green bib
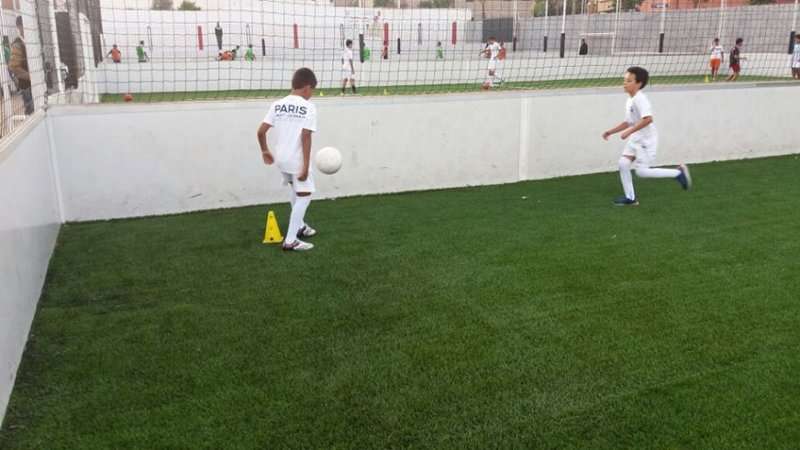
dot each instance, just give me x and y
(141, 54)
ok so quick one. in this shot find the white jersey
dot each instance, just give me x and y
(636, 108)
(494, 51)
(288, 118)
(796, 56)
(716, 52)
(347, 58)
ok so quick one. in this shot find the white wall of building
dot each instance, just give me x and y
(174, 34)
(29, 224)
(168, 158)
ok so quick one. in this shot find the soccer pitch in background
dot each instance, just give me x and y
(528, 315)
(426, 89)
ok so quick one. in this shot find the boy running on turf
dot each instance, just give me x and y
(640, 150)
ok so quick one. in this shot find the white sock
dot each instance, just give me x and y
(626, 178)
(296, 220)
(292, 199)
(647, 172)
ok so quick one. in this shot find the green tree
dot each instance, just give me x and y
(627, 5)
(187, 5)
(163, 5)
(762, 2)
(384, 4)
(434, 4)
(556, 7)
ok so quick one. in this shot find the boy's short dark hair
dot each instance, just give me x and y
(739, 41)
(640, 74)
(716, 39)
(797, 36)
(348, 43)
(304, 77)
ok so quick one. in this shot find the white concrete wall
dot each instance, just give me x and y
(695, 125)
(166, 158)
(29, 224)
(159, 159)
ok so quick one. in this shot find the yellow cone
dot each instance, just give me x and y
(321, 94)
(385, 92)
(706, 78)
(272, 233)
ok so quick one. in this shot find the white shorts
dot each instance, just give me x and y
(796, 65)
(644, 150)
(348, 75)
(492, 65)
(300, 186)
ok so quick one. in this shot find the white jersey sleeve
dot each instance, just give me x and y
(310, 123)
(643, 107)
(270, 117)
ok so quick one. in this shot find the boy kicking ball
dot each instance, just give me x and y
(292, 120)
(640, 150)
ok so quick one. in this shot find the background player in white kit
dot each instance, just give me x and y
(292, 120)
(348, 69)
(492, 51)
(640, 150)
(717, 55)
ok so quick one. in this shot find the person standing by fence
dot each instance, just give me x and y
(717, 54)
(218, 33)
(19, 67)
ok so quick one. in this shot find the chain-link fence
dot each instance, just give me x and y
(89, 51)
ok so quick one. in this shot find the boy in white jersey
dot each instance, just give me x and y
(717, 54)
(292, 120)
(492, 51)
(796, 58)
(640, 150)
(348, 70)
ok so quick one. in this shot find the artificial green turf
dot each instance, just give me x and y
(418, 89)
(469, 318)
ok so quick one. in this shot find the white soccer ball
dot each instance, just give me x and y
(328, 160)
